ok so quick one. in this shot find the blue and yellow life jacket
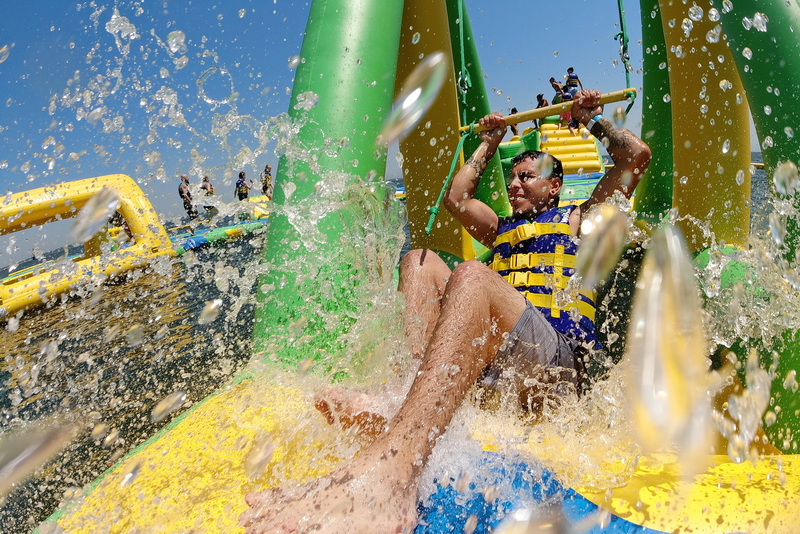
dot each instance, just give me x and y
(572, 80)
(241, 187)
(538, 259)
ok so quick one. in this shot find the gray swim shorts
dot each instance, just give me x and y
(532, 346)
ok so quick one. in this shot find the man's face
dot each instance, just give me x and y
(530, 187)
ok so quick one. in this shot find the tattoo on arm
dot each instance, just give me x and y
(610, 136)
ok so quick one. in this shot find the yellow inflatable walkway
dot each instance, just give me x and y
(579, 153)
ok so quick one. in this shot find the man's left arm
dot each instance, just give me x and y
(629, 153)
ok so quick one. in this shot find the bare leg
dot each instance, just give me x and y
(423, 278)
(377, 491)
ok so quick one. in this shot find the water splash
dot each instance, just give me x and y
(604, 231)
(259, 457)
(130, 472)
(418, 95)
(176, 42)
(210, 311)
(23, 451)
(667, 377)
(94, 214)
(167, 405)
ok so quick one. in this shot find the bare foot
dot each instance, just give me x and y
(351, 409)
(367, 495)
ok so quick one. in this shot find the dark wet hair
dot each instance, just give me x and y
(570, 69)
(558, 169)
(241, 175)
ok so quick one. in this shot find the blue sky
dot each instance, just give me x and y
(154, 90)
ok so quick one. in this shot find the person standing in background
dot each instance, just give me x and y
(513, 127)
(209, 189)
(186, 196)
(266, 181)
(242, 189)
(541, 102)
(573, 82)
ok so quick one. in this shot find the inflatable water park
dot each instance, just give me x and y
(690, 424)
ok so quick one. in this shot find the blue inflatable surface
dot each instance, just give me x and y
(448, 510)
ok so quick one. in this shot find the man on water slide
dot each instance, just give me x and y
(448, 311)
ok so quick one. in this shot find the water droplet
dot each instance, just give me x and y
(305, 365)
(176, 41)
(130, 472)
(777, 226)
(767, 110)
(470, 524)
(747, 53)
(727, 6)
(419, 92)
(23, 451)
(242, 13)
(769, 418)
(555, 53)
(415, 38)
(684, 180)
(210, 311)
(167, 405)
(94, 214)
(667, 98)
(696, 13)
(687, 26)
(259, 457)
(135, 335)
(740, 177)
(790, 382)
(662, 65)
(604, 231)
(619, 116)
(5, 51)
(307, 101)
(789, 132)
(760, 22)
(111, 438)
(549, 520)
(704, 109)
(666, 348)
(294, 61)
(785, 178)
(713, 34)
(99, 431)
(713, 15)
(726, 146)
(767, 142)
(725, 84)
(162, 332)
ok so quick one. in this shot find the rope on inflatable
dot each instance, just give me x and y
(622, 37)
(435, 208)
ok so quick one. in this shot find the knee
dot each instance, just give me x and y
(469, 274)
(422, 264)
(421, 260)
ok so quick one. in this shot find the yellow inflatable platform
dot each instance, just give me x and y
(32, 287)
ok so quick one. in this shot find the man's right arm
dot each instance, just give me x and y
(477, 217)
